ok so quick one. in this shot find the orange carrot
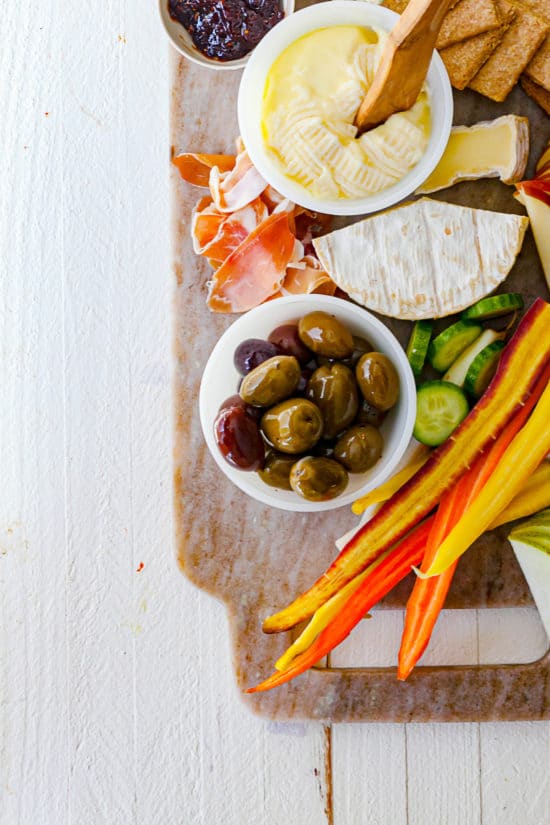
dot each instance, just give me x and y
(374, 587)
(428, 595)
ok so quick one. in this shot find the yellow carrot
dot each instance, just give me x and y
(393, 484)
(518, 463)
(534, 496)
(322, 617)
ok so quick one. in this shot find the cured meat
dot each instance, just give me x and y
(235, 189)
(254, 270)
(196, 169)
(307, 276)
(258, 242)
(216, 234)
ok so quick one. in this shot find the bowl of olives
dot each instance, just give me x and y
(307, 402)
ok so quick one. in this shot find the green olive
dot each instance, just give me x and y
(360, 346)
(334, 390)
(276, 470)
(318, 479)
(324, 335)
(378, 380)
(271, 381)
(359, 448)
(293, 426)
(369, 414)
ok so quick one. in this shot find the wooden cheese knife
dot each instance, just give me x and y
(404, 63)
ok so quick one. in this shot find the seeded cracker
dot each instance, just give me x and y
(501, 71)
(463, 60)
(537, 93)
(465, 19)
(538, 69)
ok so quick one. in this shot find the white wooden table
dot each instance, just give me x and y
(117, 701)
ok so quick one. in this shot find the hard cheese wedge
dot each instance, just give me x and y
(539, 216)
(425, 259)
(491, 149)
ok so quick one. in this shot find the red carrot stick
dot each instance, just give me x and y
(374, 587)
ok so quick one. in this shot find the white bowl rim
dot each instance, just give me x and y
(381, 471)
(318, 16)
(195, 56)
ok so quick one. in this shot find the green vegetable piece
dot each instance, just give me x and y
(482, 369)
(493, 307)
(449, 344)
(440, 407)
(535, 532)
(458, 370)
(417, 348)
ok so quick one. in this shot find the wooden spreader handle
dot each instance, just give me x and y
(404, 63)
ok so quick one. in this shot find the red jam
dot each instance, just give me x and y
(226, 29)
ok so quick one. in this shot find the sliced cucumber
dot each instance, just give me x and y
(440, 407)
(493, 307)
(458, 370)
(482, 369)
(417, 348)
(449, 344)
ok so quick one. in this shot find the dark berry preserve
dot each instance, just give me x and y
(226, 29)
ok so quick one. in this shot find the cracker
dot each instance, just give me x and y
(399, 6)
(537, 93)
(465, 20)
(463, 60)
(500, 73)
(538, 70)
(540, 8)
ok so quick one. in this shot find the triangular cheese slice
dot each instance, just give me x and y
(425, 259)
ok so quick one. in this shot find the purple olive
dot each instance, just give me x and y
(287, 339)
(237, 401)
(253, 352)
(238, 438)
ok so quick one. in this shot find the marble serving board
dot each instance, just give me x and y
(257, 559)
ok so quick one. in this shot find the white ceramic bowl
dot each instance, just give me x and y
(182, 41)
(220, 380)
(251, 91)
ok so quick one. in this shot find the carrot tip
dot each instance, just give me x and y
(419, 572)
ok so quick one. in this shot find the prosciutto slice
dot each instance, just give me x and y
(230, 229)
(237, 188)
(255, 269)
(196, 169)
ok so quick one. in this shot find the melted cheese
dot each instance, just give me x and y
(312, 94)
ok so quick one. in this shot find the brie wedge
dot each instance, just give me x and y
(425, 259)
(492, 149)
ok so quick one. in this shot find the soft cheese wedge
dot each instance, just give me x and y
(492, 149)
(425, 259)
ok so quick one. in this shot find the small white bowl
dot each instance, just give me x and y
(183, 42)
(251, 92)
(220, 380)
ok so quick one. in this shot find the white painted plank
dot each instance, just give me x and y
(515, 773)
(369, 774)
(32, 530)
